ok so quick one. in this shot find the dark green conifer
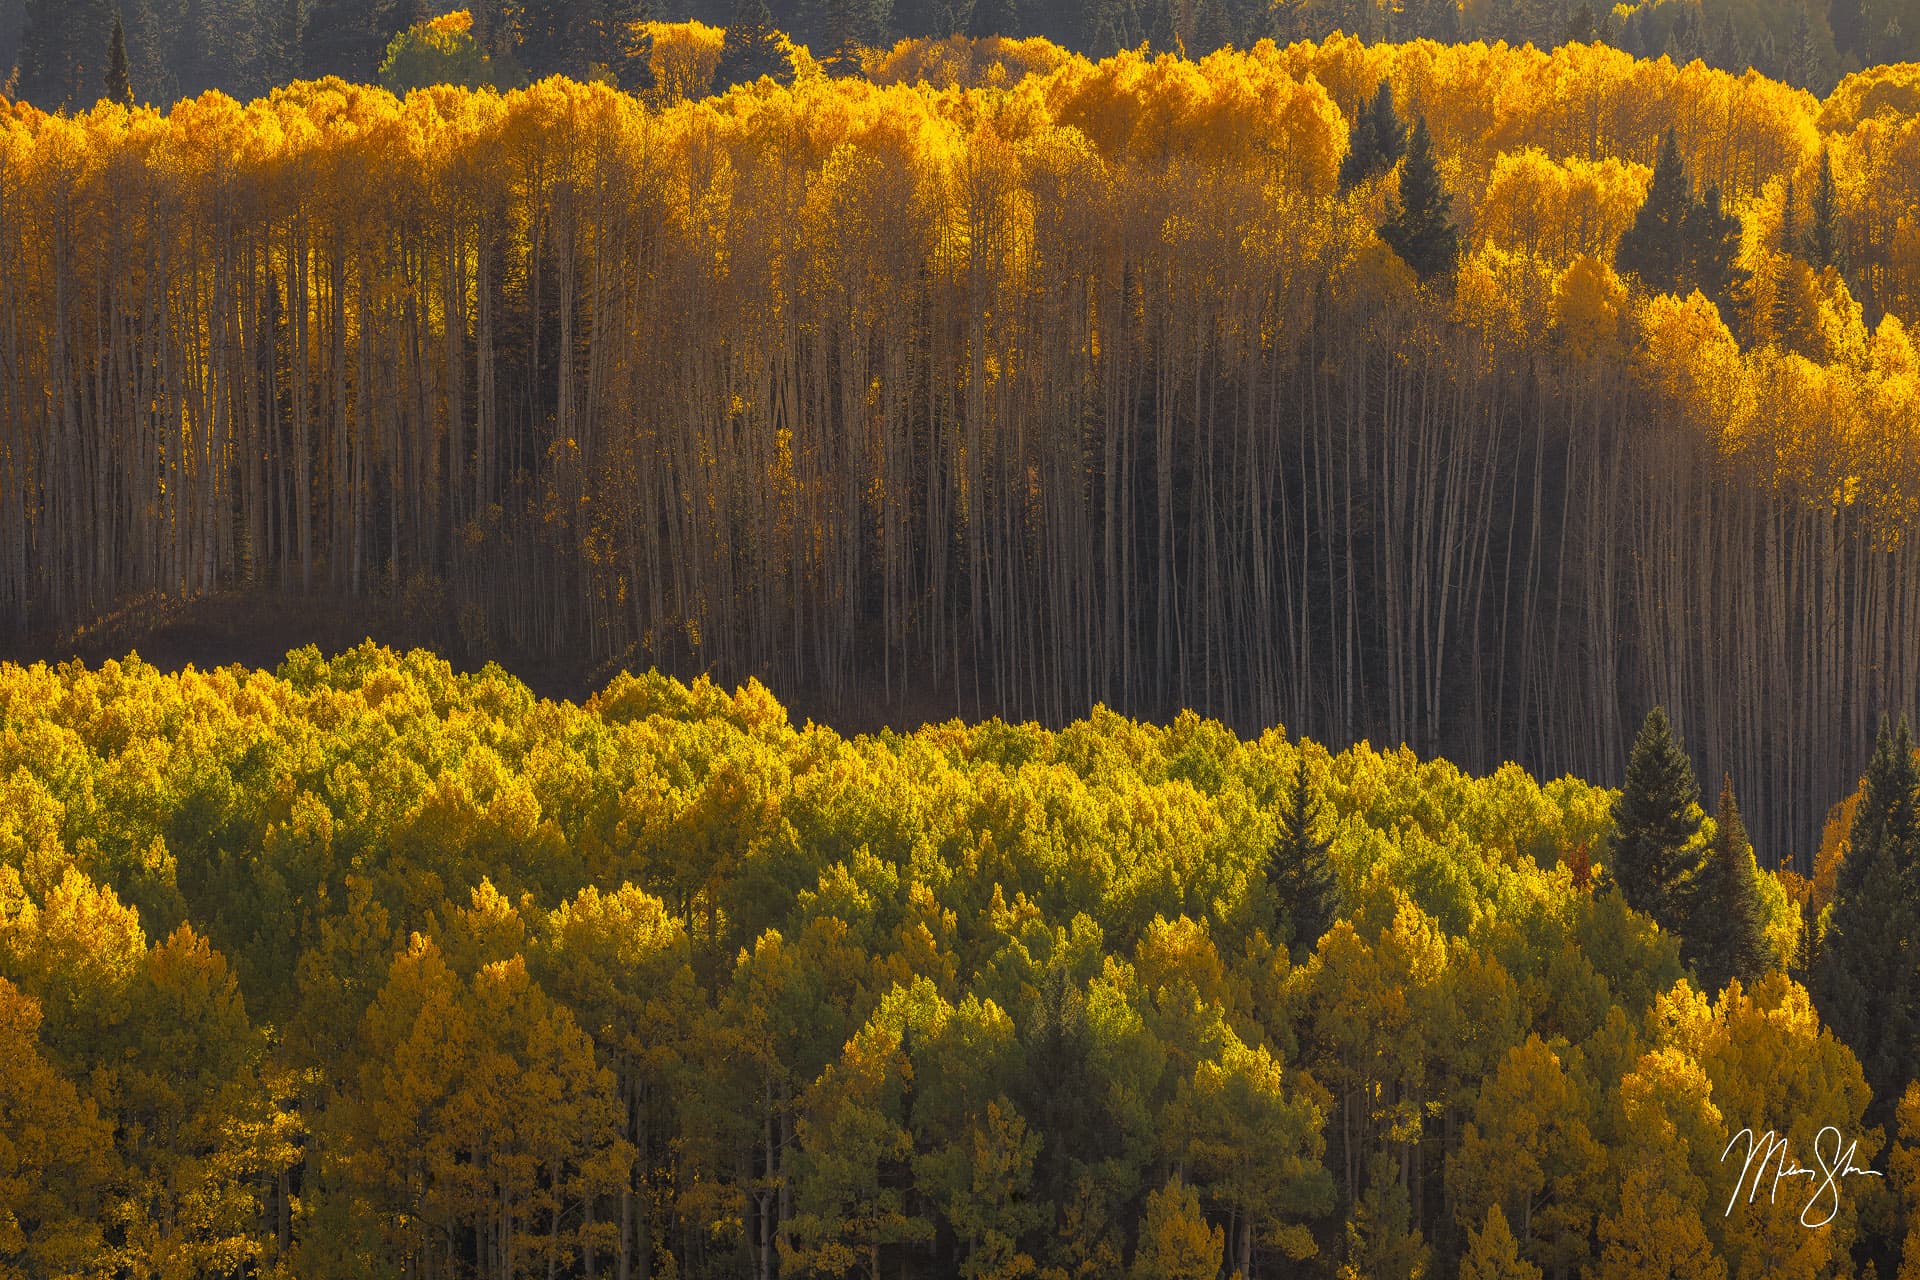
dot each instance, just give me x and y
(1655, 821)
(1726, 932)
(1420, 227)
(751, 48)
(1375, 142)
(1823, 245)
(1654, 247)
(1306, 891)
(1713, 249)
(1867, 971)
(117, 83)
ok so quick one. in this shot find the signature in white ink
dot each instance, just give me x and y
(1770, 1148)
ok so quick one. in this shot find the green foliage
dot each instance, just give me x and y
(116, 82)
(440, 51)
(752, 48)
(1656, 824)
(1867, 977)
(1420, 225)
(1375, 142)
(1306, 890)
(1654, 247)
(1728, 921)
(665, 983)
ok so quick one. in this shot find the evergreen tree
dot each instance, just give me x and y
(1789, 220)
(752, 48)
(1713, 245)
(1867, 973)
(1727, 921)
(1729, 51)
(119, 88)
(1306, 890)
(1654, 247)
(1823, 246)
(1375, 142)
(1420, 228)
(1803, 56)
(1655, 821)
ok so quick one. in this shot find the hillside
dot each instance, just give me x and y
(1064, 382)
(366, 967)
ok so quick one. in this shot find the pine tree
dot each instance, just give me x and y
(1654, 247)
(1375, 141)
(1867, 974)
(1655, 821)
(1712, 248)
(119, 88)
(1823, 245)
(1389, 135)
(1803, 56)
(1729, 52)
(1420, 228)
(1306, 890)
(752, 49)
(1727, 931)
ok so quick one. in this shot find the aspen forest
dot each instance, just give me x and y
(1064, 642)
(1016, 395)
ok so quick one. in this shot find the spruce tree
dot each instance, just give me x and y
(1655, 821)
(1375, 141)
(1389, 135)
(751, 48)
(1712, 250)
(1420, 228)
(1823, 246)
(1305, 889)
(1867, 973)
(1654, 247)
(1803, 57)
(117, 83)
(1726, 933)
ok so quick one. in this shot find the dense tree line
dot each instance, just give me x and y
(1092, 385)
(368, 968)
(56, 50)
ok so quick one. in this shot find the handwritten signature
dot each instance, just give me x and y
(1831, 1168)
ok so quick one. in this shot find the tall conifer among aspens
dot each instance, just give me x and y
(1376, 141)
(1654, 247)
(1727, 935)
(1306, 891)
(118, 84)
(1867, 977)
(752, 49)
(1656, 820)
(1421, 227)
